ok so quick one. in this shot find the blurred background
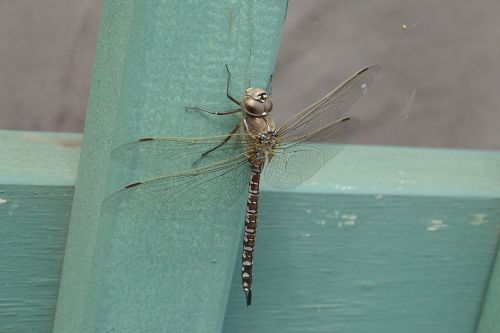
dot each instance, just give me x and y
(439, 84)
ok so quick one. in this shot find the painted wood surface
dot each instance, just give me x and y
(382, 240)
(153, 59)
(490, 312)
(395, 244)
(37, 176)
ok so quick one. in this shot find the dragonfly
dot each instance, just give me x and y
(283, 156)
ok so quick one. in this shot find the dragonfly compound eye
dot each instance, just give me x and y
(257, 102)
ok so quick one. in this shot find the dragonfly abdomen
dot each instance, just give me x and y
(250, 229)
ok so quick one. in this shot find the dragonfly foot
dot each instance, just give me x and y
(198, 161)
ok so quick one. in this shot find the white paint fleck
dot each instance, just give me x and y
(345, 187)
(478, 219)
(2, 201)
(306, 235)
(321, 222)
(348, 220)
(407, 182)
(308, 211)
(435, 225)
(379, 196)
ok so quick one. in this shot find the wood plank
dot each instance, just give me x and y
(381, 240)
(37, 175)
(365, 256)
(152, 60)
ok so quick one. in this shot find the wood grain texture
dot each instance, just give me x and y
(37, 175)
(152, 60)
(360, 263)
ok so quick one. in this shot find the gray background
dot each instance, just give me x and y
(439, 85)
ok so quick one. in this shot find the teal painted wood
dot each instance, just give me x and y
(489, 321)
(381, 240)
(154, 58)
(352, 259)
(37, 174)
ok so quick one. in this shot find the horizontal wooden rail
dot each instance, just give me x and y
(382, 239)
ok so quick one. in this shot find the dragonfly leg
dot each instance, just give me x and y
(269, 86)
(227, 87)
(188, 108)
(235, 129)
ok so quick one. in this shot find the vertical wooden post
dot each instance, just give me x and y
(154, 58)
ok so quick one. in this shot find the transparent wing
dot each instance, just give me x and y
(330, 108)
(184, 194)
(296, 161)
(158, 155)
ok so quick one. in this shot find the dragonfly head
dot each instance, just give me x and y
(256, 102)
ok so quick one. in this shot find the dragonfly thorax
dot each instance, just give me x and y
(261, 147)
(256, 102)
(261, 138)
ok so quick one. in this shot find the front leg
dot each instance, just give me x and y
(229, 137)
(234, 100)
(227, 88)
(191, 108)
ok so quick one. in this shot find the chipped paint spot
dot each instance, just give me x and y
(348, 220)
(345, 188)
(435, 225)
(335, 215)
(68, 143)
(379, 196)
(2, 201)
(321, 222)
(478, 219)
(308, 211)
(306, 235)
(407, 182)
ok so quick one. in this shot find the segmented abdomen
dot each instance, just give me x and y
(250, 228)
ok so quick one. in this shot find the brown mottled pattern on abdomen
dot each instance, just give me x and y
(249, 235)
